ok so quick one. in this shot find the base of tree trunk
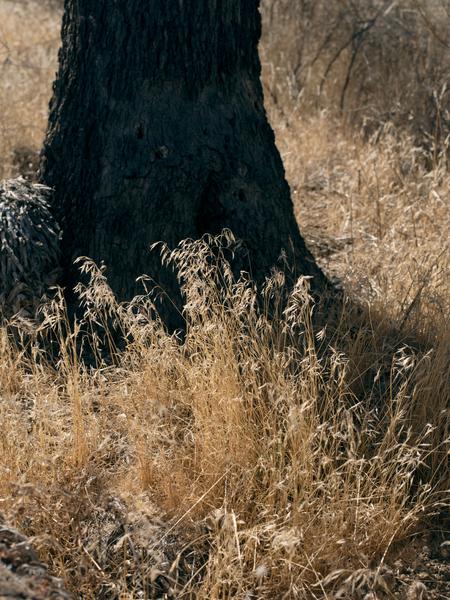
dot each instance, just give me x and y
(158, 132)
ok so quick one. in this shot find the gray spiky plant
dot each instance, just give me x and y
(29, 246)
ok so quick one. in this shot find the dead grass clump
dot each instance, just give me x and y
(241, 461)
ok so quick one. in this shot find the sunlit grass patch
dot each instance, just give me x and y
(248, 441)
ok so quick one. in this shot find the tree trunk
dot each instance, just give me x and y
(157, 131)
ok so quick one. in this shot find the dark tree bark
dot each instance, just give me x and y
(157, 131)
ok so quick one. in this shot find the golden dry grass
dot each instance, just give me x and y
(259, 458)
(376, 211)
(29, 38)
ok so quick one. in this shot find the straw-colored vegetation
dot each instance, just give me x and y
(256, 458)
(29, 38)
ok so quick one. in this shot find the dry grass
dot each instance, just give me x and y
(29, 38)
(368, 62)
(374, 214)
(257, 459)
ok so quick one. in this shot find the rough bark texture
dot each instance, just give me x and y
(158, 131)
